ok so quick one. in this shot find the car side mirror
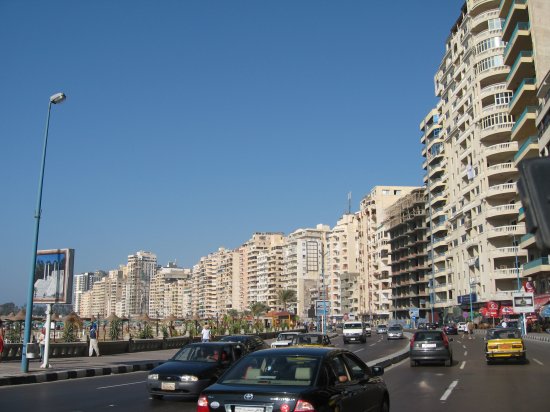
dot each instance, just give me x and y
(377, 370)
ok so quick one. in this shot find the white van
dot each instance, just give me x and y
(354, 331)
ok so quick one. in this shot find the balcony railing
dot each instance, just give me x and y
(537, 262)
(520, 26)
(530, 140)
(529, 81)
(528, 110)
(501, 167)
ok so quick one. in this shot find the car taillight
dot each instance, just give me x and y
(412, 342)
(445, 340)
(202, 404)
(303, 406)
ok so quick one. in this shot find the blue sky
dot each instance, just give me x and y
(189, 125)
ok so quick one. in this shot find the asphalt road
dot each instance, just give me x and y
(469, 383)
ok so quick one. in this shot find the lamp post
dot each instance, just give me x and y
(55, 99)
(522, 316)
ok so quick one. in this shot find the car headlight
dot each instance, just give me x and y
(153, 377)
(188, 378)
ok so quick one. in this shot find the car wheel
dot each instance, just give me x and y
(449, 362)
(156, 397)
(385, 407)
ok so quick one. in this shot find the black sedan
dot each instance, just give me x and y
(298, 379)
(450, 329)
(250, 342)
(192, 368)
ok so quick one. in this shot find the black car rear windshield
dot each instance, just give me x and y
(273, 369)
(429, 336)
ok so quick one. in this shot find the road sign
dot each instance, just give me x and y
(523, 302)
(322, 307)
(414, 312)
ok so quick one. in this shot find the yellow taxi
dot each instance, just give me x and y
(504, 343)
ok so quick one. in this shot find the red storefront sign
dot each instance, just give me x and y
(506, 310)
(492, 309)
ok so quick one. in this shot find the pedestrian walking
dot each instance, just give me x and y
(470, 327)
(205, 333)
(1, 342)
(93, 340)
(42, 342)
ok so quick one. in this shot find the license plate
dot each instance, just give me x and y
(505, 347)
(429, 345)
(249, 409)
(352, 339)
(168, 386)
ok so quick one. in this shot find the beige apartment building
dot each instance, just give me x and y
(140, 270)
(167, 292)
(483, 125)
(374, 286)
(527, 35)
(303, 265)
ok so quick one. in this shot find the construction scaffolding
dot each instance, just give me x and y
(406, 209)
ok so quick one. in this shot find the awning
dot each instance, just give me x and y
(545, 311)
(541, 300)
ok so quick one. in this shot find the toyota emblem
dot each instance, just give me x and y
(248, 396)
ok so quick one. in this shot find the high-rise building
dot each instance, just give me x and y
(302, 267)
(374, 251)
(496, 57)
(140, 270)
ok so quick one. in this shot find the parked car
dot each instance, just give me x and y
(354, 331)
(395, 332)
(311, 339)
(432, 326)
(432, 346)
(381, 329)
(298, 379)
(462, 327)
(251, 342)
(504, 344)
(284, 339)
(450, 329)
(192, 368)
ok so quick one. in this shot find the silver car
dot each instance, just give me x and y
(431, 346)
(395, 332)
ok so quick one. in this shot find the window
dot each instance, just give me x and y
(495, 24)
(488, 44)
(503, 98)
(489, 63)
(357, 371)
(496, 119)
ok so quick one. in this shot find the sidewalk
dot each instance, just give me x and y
(72, 368)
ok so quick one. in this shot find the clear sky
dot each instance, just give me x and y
(190, 125)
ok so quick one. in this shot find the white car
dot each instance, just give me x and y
(284, 339)
(462, 327)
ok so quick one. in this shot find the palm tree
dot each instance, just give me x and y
(285, 296)
(258, 309)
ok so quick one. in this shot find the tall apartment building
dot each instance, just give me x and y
(526, 33)
(259, 244)
(166, 296)
(473, 140)
(82, 283)
(229, 282)
(205, 285)
(341, 277)
(374, 251)
(302, 266)
(410, 282)
(140, 270)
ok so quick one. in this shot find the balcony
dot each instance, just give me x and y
(503, 210)
(517, 13)
(525, 125)
(525, 95)
(519, 40)
(506, 231)
(528, 150)
(483, 17)
(503, 191)
(508, 273)
(523, 68)
(506, 252)
(496, 133)
(527, 241)
(502, 169)
(500, 151)
(537, 266)
(491, 90)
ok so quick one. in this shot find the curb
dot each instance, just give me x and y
(75, 374)
(394, 358)
(537, 338)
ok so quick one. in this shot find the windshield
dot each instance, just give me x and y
(395, 328)
(308, 339)
(504, 334)
(201, 353)
(273, 369)
(352, 326)
(285, 336)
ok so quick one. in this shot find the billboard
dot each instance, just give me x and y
(53, 276)
(322, 307)
(523, 302)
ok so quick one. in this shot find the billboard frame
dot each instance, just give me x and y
(45, 292)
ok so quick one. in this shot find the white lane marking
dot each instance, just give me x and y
(358, 350)
(466, 353)
(464, 346)
(123, 384)
(539, 362)
(448, 391)
(372, 344)
(462, 364)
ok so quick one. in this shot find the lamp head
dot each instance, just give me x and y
(57, 98)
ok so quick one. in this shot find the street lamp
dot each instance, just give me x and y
(55, 99)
